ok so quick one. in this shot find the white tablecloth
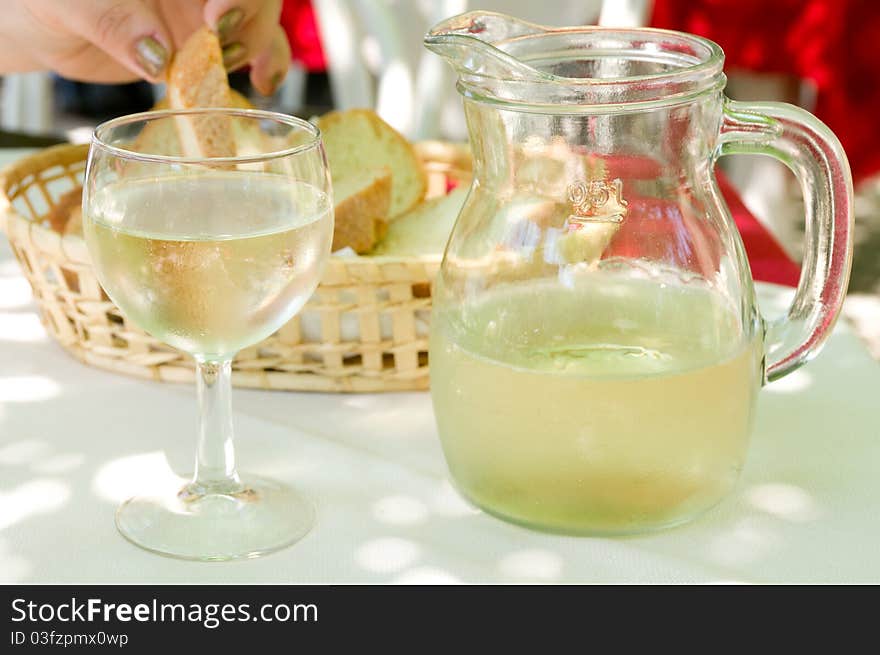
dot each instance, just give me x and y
(74, 441)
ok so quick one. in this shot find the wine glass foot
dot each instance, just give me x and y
(261, 517)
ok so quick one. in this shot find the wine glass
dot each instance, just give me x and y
(209, 255)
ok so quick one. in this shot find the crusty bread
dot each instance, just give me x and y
(159, 137)
(236, 101)
(358, 140)
(548, 169)
(162, 137)
(376, 173)
(587, 243)
(75, 220)
(362, 202)
(66, 215)
(425, 229)
(197, 78)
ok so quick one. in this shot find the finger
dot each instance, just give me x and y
(229, 17)
(127, 30)
(93, 65)
(269, 68)
(181, 18)
(245, 28)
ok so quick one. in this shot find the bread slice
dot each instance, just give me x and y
(65, 216)
(197, 78)
(425, 229)
(162, 137)
(362, 202)
(75, 220)
(358, 140)
(236, 101)
(548, 169)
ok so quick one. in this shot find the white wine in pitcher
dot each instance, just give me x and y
(607, 406)
(596, 345)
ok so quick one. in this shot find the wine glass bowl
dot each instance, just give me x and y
(210, 254)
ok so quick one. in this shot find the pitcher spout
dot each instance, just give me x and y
(574, 69)
(469, 43)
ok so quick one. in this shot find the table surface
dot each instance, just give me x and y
(75, 441)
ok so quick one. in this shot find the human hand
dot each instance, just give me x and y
(121, 40)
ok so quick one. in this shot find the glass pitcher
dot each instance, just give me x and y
(596, 347)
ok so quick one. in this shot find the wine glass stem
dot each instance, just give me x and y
(215, 454)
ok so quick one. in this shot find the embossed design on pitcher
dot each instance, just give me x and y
(596, 201)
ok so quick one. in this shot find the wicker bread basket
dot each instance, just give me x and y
(364, 330)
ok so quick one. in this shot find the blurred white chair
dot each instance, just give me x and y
(27, 103)
(625, 13)
(372, 61)
(340, 40)
(375, 56)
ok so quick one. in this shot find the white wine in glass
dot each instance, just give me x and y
(210, 291)
(210, 255)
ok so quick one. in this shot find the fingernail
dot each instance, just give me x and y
(276, 80)
(151, 55)
(234, 55)
(228, 22)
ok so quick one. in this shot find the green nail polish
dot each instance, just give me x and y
(277, 78)
(234, 55)
(151, 55)
(228, 22)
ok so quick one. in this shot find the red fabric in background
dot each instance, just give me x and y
(832, 43)
(298, 21)
(768, 261)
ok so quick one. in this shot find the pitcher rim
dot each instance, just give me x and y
(714, 58)
(685, 81)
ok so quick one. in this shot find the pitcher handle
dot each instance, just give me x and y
(812, 152)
